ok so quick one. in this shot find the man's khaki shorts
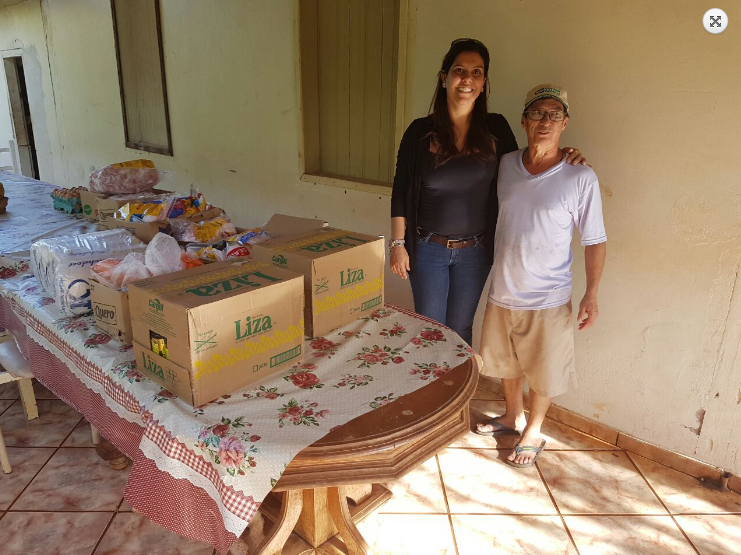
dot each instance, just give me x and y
(538, 344)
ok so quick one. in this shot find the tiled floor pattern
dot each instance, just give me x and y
(584, 497)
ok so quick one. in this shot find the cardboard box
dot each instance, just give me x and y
(146, 231)
(343, 270)
(111, 311)
(90, 204)
(217, 328)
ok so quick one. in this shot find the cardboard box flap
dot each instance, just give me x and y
(318, 243)
(280, 224)
(212, 282)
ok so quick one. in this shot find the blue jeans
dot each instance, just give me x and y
(447, 284)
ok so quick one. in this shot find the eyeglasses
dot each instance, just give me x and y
(537, 115)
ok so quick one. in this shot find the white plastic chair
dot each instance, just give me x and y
(14, 368)
(13, 151)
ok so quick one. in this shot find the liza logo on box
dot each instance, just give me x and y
(152, 367)
(252, 326)
(351, 276)
(156, 305)
(345, 241)
(232, 284)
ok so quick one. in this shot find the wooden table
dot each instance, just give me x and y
(337, 481)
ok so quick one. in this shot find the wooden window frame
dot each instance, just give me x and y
(167, 151)
(309, 157)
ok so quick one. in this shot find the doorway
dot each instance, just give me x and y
(21, 116)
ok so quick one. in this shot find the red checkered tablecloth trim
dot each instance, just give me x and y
(197, 515)
(55, 375)
(237, 503)
(95, 373)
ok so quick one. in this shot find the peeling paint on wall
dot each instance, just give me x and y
(700, 414)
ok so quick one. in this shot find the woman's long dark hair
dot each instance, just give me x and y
(479, 141)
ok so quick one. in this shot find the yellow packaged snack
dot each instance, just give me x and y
(207, 231)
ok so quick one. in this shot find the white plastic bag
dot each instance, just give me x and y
(130, 269)
(163, 255)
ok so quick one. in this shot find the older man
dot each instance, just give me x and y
(528, 329)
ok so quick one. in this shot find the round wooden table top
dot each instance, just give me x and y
(387, 442)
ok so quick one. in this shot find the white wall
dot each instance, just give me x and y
(22, 32)
(655, 103)
(654, 108)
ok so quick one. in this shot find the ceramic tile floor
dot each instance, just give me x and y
(584, 497)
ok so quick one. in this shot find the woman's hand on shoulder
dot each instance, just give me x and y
(575, 156)
(399, 261)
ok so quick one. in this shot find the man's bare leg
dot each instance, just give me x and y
(514, 412)
(531, 435)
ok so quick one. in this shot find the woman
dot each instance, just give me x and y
(444, 205)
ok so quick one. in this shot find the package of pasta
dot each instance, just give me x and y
(188, 205)
(212, 253)
(206, 231)
(151, 210)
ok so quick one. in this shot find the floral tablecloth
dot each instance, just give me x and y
(202, 472)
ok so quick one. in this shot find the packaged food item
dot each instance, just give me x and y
(67, 200)
(190, 261)
(206, 231)
(152, 210)
(134, 176)
(241, 244)
(131, 268)
(62, 264)
(163, 255)
(205, 252)
(188, 205)
(159, 344)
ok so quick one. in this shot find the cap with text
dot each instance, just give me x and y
(547, 91)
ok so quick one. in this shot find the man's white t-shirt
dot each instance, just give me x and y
(537, 215)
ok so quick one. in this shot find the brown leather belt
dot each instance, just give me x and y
(450, 243)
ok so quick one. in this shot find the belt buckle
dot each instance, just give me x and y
(448, 242)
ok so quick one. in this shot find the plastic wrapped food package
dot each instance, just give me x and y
(206, 252)
(206, 231)
(188, 205)
(162, 256)
(134, 176)
(117, 273)
(241, 244)
(155, 208)
(188, 260)
(151, 210)
(62, 264)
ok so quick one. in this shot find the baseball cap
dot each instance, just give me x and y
(547, 91)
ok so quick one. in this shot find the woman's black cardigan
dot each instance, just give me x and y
(405, 194)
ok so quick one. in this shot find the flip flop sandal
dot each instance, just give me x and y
(499, 429)
(527, 449)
